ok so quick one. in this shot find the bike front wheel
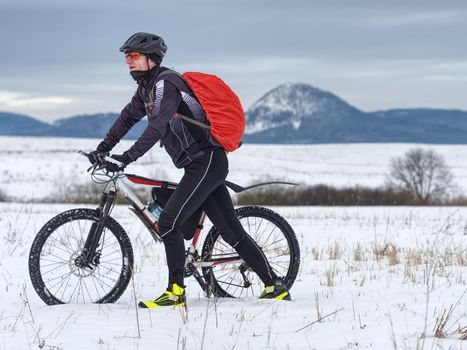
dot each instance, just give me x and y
(276, 239)
(55, 269)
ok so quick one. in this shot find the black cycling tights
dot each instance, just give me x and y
(203, 186)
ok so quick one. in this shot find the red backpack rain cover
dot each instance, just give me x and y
(222, 107)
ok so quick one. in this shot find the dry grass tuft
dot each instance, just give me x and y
(335, 251)
(379, 250)
(359, 253)
(463, 333)
(410, 273)
(414, 257)
(330, 274)
(392, 255)
(386, 250)
(440, 330)
(316, 253)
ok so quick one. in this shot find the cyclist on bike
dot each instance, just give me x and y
(191, 148)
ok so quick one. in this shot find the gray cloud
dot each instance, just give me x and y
(373, 54)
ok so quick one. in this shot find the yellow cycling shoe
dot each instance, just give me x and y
(277, 291)
(175, 296)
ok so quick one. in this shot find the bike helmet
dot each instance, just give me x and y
(145, 43)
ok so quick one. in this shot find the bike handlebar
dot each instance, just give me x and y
(83, 153)
(103, 160)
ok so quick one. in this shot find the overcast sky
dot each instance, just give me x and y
(60, 58)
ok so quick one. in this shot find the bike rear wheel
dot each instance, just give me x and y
(273, 235)
(54, 268)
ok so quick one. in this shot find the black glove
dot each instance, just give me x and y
(122, 158)
(101, 150)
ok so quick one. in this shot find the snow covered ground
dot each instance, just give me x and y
(36, 167)
(383, 275)
(374, 277)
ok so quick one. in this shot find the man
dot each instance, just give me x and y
(160, 96)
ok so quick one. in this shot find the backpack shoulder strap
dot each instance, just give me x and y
(167, 72)
(150, 104)
(192, 121)
(176, 79)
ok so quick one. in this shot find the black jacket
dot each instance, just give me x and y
(183, 141)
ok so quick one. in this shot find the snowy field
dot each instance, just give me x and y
(38, 167)
(370, 277)
(375, 278)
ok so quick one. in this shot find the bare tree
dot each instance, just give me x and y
(423, 172)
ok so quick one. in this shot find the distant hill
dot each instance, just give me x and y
(93, 126)
(81, 126)
(22, 125)
(290, 113)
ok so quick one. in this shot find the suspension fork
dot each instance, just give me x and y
(97, 227)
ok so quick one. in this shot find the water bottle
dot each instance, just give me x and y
(156, 209)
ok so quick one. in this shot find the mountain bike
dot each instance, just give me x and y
(85, 256)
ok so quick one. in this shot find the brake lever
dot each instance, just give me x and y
(96, 167)
(93, 167)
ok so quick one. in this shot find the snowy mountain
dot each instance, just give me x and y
(289, 105)
(301, 113)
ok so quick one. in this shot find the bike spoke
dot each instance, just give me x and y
(107, 262)
(81, 230)
(106, 277)
(66, 284)
(63, 278)
(221, 241)
(225, 274)
(266, 243)
(67, 235)
(279, 255)
(275, 242)
(55, 263)
(265, 230)
(231, 284)
(74, 290)
(103, 256)
(101, 284)
(93, 279)
(82, 289)
(55, 268)
(89, 294)
(282, 267)
(66, 250)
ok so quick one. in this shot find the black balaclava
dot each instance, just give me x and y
(139, 75)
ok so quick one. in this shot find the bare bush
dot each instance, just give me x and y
(422, 172)
(79, 193)
(90, 193)
(3, 196)
(326, 195)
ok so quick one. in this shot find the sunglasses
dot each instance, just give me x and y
(132, 56)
